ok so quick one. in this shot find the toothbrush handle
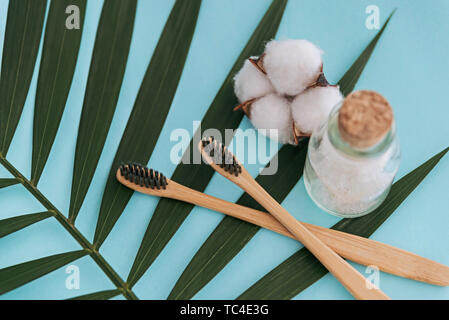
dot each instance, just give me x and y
(351, 279)
(358, 249)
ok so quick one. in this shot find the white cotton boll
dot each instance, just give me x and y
(250, 83)
(292, 65)
(273, 112)
(313, 106)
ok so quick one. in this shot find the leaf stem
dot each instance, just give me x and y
(70, 227)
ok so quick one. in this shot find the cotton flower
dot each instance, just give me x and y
(313, 106)
(273, 112)
(250, 83)
(285, 89)
(292, 65)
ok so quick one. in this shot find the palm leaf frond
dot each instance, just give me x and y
(22, 38)
(101, 295)
(72, 230)
(150, 109)
(170, 214)
(59, 56)
(106, 73)
(20, 274)
(10, 225)
(4, 183)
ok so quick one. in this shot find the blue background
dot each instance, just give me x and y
(410, 67)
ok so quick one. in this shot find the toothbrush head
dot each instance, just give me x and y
(142, 176)
(215, 152)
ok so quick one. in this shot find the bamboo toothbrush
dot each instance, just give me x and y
(225, 163)
(358, 249)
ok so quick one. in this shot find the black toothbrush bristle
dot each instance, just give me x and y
(221, 156)
(142, 176)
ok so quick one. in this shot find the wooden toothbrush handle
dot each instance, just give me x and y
(351, 279)
(358, 249)
(387, 258)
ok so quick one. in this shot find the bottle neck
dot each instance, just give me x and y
(340, 144)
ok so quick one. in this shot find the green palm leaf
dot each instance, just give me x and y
(8, 182)
(170, 214)
(72, 230)
(20, 274)
(10, 225)
(21, 44)
(150, 109)
(101, 295)
(302, 269)
(103, 87)
(59, 56)
(231, 235)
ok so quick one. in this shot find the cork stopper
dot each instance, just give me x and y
(364, 118)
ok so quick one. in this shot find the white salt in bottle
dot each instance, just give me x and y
(354, 156)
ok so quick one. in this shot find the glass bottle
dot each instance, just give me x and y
(353, 157)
